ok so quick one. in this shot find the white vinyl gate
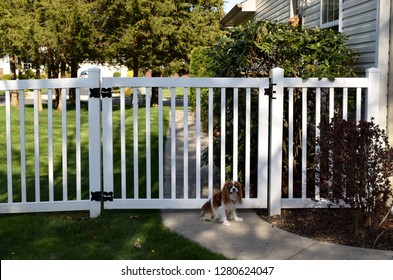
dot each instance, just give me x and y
(173, 200)
(182, 183)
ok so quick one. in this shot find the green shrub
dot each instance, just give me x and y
(253, 50)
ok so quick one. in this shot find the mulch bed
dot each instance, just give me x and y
(333, 225)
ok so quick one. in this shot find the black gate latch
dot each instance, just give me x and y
(269, 91)
(104, 196)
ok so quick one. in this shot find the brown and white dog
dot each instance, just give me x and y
(222, 206)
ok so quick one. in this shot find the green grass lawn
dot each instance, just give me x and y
(112, 236)
(73, 235)
(43, 147)
(71, 152)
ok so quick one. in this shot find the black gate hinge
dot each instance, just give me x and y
(106, 93)
(95, 92)
(269, 90)
(104, 196)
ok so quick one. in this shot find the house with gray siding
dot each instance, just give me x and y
(367, 23)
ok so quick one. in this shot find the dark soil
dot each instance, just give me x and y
(333, 225)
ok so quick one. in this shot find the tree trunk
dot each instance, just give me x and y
(62, 75)
(74, 74)
(38, 76)
(59, 100)
(53, 73)
(15, 93)
(135, 66)
(135, 69)
(154, 91)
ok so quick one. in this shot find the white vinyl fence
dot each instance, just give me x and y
(127, 169)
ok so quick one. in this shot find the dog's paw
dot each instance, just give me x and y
(238, 219)
(226, 223)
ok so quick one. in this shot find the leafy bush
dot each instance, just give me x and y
(253, 50)
(355, 165)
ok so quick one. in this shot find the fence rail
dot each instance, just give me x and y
(118, 159)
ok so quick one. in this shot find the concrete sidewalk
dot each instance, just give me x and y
(255, 239)
(179, 125)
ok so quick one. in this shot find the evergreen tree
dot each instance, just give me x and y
(160, 35)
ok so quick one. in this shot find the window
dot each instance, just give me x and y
(330, 14)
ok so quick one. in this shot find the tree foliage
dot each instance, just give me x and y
(47, 32)
(252, 50)
(141, 34)
(157, 35)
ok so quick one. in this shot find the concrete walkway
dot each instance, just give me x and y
(180, 158)
(255, 239)
(252, 239)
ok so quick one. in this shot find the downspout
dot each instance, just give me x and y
(382, 55)
(390, 82)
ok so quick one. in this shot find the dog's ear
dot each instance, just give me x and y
(226, 185)
(240, 187)
(225, 192)
(217, 198)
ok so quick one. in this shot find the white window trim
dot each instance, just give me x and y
(337, 22)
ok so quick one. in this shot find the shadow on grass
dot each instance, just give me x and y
(110, 237)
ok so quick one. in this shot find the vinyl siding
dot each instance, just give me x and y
(312, 14)
(273, 10)
(359, 22)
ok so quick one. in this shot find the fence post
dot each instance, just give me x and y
(372, 97)
(275, 147)
(94, 140)
(107, 142)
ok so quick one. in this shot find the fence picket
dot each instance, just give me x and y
(64, 143)
(247, 144)
(345, 103)
(290, 143)
(173, 142)
(198, 143)
(148, 145)
(123, 156)
(22, 145)
(331, 103)
(211, 163)
(235, 134)
(78, 144)
(50, 146)
(358, 104)
(36, 148)
(160, 144)
(317, 134)
(304, 142)
(135, 127)
(185, 143)
(223, 136)
(9, 147)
